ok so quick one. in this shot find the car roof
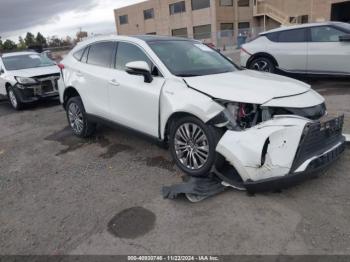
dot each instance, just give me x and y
(19, 53)
(134, 38)
(284, 28)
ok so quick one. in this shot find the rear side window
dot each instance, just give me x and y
(78, 54)
(101, 54)
(272, 36)
(129, 53)
(292, 36)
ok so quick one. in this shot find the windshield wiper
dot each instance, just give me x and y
(187, 75)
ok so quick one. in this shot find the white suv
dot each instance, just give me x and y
(205, 108)
(26, 77)
(320, 48)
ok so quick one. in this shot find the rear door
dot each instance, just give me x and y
(289, 48)
(326, 54)
(94, 72)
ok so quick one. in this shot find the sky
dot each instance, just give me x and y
(58, 17)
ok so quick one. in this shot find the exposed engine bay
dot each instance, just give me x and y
(241, 116)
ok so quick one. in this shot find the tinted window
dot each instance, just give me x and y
(148, 14)
(325, 34)
(78, 54)
(200, 4)
(101, 54)
(85, 55)
(272, 36)
(129, 53)
(123, 19)
(292, 36)
(178, 7)
(226, 2)
(202, 32)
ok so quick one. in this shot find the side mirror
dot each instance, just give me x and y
(140, 68)
(344, 38)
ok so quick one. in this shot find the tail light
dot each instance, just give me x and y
(61, 66)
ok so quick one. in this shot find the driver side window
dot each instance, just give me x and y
(130, 53)
(325, 34)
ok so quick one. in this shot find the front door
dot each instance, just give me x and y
(134, 103)
(326, 54)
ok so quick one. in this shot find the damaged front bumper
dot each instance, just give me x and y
(46, 87)
(283, 151)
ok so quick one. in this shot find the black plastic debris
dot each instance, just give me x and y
(197, 189)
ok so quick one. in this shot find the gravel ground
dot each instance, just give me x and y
(64, 195)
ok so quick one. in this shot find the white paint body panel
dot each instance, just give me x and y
(331, 58)
(244, 149)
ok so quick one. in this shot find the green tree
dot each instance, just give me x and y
(0, 43)
(29, 39)
(21, 43)
(9, 45)
(41, 40)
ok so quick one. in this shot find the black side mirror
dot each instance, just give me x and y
(344, 38)
(140, 68)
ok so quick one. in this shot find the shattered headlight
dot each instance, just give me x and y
(236, 116)
(26, 80)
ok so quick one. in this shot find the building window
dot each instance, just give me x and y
(202, 32)
(226, 2)
(243, 25)
(123, 19)
(226, 29)
(178, 7)
(304, 19)
(148, 14)
(242, 3)
(152, 33)
(200, 4)
(181, 32)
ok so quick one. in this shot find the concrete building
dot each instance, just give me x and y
(220, 21)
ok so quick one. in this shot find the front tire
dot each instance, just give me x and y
(263, 64)
(77, 118)
(192, 146)
(14, 99)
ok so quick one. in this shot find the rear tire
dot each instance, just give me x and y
(193, 146)
(14, 99)
(77, 118)
(262, 64)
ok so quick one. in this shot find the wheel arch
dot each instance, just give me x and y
(68, 93)
(262, 54)
(174, 116)
(7, 86)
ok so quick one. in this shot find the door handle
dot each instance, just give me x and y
(114, 82)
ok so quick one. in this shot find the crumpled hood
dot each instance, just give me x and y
(247, 86)
(31, 72)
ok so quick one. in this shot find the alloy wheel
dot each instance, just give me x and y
(13, 99)
(262, 66)
(75, 118)
(191, 146)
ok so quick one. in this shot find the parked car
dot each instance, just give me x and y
(319, 48)
(206, 109)
(26, 77)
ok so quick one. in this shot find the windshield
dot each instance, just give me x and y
(26, 61)
(187, 58)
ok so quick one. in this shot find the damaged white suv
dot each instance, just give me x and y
(270, 128)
